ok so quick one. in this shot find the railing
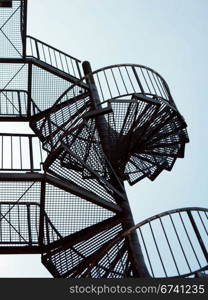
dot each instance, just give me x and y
(175, 242)
(20, 152)
(54, 57)
(122, 80)
(19, 224)
(16, 103)
(13, 103)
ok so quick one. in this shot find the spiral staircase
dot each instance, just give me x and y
(62, 188)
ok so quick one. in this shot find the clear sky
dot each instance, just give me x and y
(168, 36)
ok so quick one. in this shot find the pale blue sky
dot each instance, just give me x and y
(169, 36)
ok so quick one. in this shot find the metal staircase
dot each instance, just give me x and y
(64, 197)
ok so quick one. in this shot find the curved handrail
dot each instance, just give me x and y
(84, 79)
(135, 82)
(192, 231)
(124, 234)
(135, 77)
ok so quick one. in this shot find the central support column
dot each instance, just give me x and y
(135, 252)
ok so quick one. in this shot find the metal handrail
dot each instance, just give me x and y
(53, 56)
(124, 234)
(56, 49)
(17, 103)
(145, 84)
(20, 152)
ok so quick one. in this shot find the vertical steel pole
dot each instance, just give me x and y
(135, 252)
(24, 26)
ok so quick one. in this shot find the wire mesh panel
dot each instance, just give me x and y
(13, 103)
(19, 213)
(12, 27)
(46, 87)
(66, 113)
(14, 76)
(73, 260)
(71, 213)
(93, 185)
(19, 224)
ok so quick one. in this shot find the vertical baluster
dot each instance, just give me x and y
(44, 55)
(73, 67)
(202, 222)
(37, 49)
(2, 152)
(19, 220)
(6, 98)
(78, 68)
(153, 75)
(115, 81)
(130, 79)
(67, 66)
(190, 242)
(100, 86)
(10, 230)
(151, 81)
(162, 87)
(31, 47)
(123, 80)
(198, 235)
(25, 96)
(169, 246)
(145, 81)
(31, 154)
(138, 80)
(158, 251)
(54, 53)
(106, 79)
(49, 52)
(11, 143)
(147, 253)
(29, 225)
(61, 62)
(19, 103)
(13, 104)
(179, 240)
(41, 154)
(20, 145)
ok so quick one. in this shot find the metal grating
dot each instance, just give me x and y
(102, 190)
(19, 224)
(71, 262)
(71, 213)
(46, 87)
(19, 213)
(11, 30)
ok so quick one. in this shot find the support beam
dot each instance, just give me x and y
(135, 251)
(21, 177)
(21, 250)
(42, 213)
